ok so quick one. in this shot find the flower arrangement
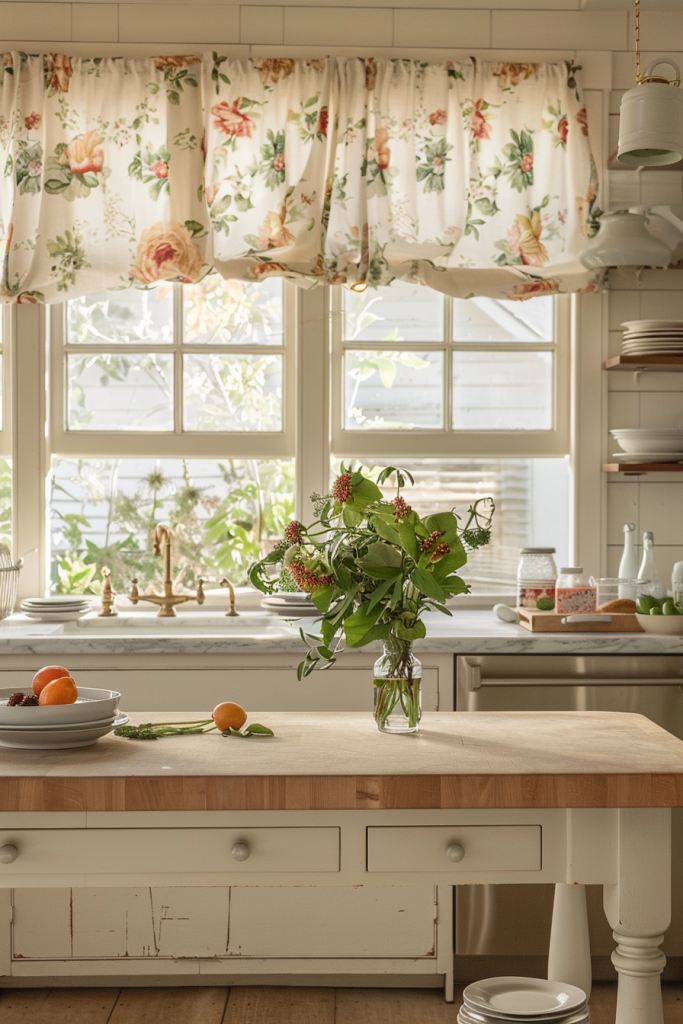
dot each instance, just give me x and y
(373, 567)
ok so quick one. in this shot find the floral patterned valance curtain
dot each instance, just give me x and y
(476, 179)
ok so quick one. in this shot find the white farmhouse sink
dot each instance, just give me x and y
(245, 623)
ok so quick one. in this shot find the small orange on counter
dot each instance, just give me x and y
(46, 675)
(59, 691)
(229, 716)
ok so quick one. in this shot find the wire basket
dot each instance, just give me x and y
(9, 581)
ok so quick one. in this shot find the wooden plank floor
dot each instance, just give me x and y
(262, 1005)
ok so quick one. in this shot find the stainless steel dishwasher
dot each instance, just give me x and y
(511, 920)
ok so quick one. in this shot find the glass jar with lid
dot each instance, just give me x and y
(536, 575)
(574, 593)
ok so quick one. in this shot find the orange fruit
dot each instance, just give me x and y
(229, 716)
(46, 675)
(59, 691)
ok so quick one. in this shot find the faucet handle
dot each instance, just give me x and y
(134, 595)
(200, 590)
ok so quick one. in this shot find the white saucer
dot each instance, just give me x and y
(648, 457)
(653, 325)
(56, 616)
(523, 997)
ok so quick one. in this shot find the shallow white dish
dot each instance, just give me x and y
(466, 1015)
(661, 625)
(93, 705)
(42, 739)
(289, 610)
(530, 997)
(66, 727)
(58, 599)
(56, 616)
(638, 444)
(648, 457)
(653, 325)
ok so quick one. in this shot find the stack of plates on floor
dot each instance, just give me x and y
(60, 608)
(649, 444)
(58, 726)
(291, 606)
(515, 1000)
(653, 338)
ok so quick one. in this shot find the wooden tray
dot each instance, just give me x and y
(552, 622)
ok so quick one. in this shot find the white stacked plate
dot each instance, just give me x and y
(291, 606)
(59, 608)
(58, 726)
(501, 1000)
(649, 444)
(652, 337)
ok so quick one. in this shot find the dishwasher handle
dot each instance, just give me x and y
(475, 681)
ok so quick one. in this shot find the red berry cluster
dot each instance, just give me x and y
(341, 488)
(433, 537)
(307, 580)
(293, 532)
(401, 509)
(443, 549)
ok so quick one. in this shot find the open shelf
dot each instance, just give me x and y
(667, 363)
(642, 467)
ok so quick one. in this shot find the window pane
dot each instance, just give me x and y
(393, 390)
(127, 317)
(2, 388)
(117, 391)
(103, 511)
(399, 312)
(532, 498)
(5, 502)
(218, 312)
(240, 392)
(482, 319)
(502, 391)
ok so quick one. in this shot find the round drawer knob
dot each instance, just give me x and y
(240, 851)
(455, 852)
(8, 854)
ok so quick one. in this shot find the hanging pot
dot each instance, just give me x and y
(651, 120)
(624, 241)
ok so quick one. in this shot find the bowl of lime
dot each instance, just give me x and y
(659, 615)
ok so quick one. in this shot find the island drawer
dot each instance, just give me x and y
(169, 850)
(453, 849)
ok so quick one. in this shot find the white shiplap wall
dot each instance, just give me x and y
(602, 40)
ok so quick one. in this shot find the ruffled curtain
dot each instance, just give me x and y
(476, 179)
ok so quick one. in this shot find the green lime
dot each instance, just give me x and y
(656, 610)
(645, 602)
(668, 607)
(545, 604)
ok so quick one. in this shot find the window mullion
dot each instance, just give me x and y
(178, 396)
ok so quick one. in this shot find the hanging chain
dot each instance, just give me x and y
(639, 75)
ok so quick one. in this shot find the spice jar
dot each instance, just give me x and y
(536, 574)
(573, 593)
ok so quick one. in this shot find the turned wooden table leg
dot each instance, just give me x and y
(569, 958)
(638, 907)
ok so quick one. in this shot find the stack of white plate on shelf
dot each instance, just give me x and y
(649, 444)
(516, 1000)
(653, 338)
(291, 606)
(58, 608)
(59, 726)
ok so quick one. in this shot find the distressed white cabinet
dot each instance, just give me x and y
(231, 932)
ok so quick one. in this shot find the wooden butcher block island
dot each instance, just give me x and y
(572, 798)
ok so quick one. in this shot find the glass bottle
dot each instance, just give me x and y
(628, 566)
(398, 687)
(648, 566)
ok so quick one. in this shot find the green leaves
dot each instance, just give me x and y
(414, 632)
(360, 622)
(426, 584)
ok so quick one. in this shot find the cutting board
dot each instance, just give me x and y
(552, 622)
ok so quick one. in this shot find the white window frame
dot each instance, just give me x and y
(176, 443)
(6, 384)
(447, 442)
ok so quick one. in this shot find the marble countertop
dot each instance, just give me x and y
(467, 632)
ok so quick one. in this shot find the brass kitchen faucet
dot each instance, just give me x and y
(162, 543)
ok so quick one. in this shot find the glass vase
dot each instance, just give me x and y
(398, 688)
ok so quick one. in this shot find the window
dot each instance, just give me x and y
(5, 450)
(176, 405)
(179, 404)
(415, 373)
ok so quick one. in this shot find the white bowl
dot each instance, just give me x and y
(651, 443)
(46, 739)
(661, 625)
(93, 705)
